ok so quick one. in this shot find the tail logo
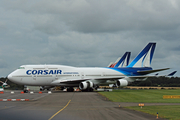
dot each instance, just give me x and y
(144, 58)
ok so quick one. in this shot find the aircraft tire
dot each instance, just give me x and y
(25, 91)
(88, 90)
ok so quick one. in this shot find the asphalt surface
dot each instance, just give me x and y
(66, 106)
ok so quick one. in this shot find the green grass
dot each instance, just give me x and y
(141, 96)
(168, 112)
(148, 96)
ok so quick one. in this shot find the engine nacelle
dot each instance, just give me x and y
(122, 83)
(85, 85)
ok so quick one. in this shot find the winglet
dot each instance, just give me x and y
(144, 58)
(171, 74)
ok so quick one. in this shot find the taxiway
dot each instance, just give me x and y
(65, 106)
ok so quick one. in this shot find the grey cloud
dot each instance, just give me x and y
(87, 33)
(3, 64)
(176, 48)
(54, 17)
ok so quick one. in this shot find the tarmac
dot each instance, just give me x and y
(67, 106)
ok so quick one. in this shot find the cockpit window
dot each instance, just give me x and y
(21, 67)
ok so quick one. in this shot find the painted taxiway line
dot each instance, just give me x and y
(60, 110)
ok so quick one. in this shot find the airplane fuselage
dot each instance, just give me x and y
(45, 75)
(87, 78)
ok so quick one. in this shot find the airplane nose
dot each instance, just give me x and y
(13, 77)
(9, 77)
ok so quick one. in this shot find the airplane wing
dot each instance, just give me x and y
(101, 79)
(75, 81)
(168, 75)
(68, 81)
(152, 71)
(135, 78)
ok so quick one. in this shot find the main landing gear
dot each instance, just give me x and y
(70, 89)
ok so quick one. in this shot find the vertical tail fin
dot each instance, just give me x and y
(124, 61)
(144, 58)
(115, 62)
(110, 64)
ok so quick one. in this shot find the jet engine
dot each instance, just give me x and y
(122, 83)
(86, 85)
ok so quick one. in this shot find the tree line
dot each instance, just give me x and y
(159, 82)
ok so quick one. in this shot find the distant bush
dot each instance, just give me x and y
(159, 82)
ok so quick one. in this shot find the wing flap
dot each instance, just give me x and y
(68, 81)
(71, 81)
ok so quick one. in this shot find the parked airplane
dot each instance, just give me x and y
(121, 61)
(86, 78)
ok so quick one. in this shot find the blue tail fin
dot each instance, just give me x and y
(144, 58)
(124, 61)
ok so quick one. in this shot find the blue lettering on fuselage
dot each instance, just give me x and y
(43, 72)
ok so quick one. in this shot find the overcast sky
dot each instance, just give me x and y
(87, 33)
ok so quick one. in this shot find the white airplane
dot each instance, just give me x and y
(121, 61)
(86, 78)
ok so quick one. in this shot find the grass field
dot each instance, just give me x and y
(148, 96)
(168, 112)
(144, 96)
